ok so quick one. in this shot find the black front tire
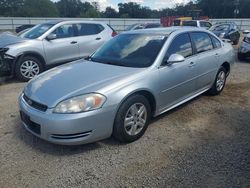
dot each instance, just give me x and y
(241, 57)
(214, 89)
(20, 76)
(119, 130)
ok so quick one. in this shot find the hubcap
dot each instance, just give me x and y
(29, 69)
(135, 119)
(220, 80)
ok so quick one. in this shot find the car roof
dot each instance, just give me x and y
(164, 30)
(73, 21)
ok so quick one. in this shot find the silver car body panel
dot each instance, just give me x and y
(170, 85)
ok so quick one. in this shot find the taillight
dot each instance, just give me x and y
(114, 34)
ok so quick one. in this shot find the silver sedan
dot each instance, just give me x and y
(135, 76)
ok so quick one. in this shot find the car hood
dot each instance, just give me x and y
(9, 39)
(74, 79)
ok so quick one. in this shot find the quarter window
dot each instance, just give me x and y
(84, 29)
(202, 42)
(180, 45)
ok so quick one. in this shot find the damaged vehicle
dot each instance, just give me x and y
(50, 44)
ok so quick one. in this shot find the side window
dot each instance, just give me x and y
(202, 42)
(180, 45)
(89, 29)
(216, 42)
(64, 31)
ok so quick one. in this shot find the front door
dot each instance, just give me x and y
(177, 81)
(64, 48)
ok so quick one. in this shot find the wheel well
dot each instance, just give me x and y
(33, 54)
(226, 65)
(150, 97)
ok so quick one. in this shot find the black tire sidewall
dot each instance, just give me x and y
(20, 62)
(213, 90)
(119, 131)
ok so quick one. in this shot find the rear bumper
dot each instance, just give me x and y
(68, 129)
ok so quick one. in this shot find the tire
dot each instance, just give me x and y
(25, 74)
(134, 129)
(241, 57)
(219, 82)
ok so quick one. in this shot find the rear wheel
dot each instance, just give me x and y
(219, 82)
(132, 119)
(27, 68)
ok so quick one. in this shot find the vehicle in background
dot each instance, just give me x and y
(197, 23)
(123, 84)
(179, 21)
(244, 49)
(228, 31)
(143, 26)
(50, 44)
(24, 27)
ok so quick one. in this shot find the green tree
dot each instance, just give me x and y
(10, 8)
(38, 8)
(110, 13)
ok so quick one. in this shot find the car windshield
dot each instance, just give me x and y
(221, 27)
(37, 31)
(130, 50)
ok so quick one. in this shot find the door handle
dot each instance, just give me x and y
(73, 42)
(217, 54)
(192, 64)
(98, 38)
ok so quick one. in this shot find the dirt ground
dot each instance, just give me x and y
(204, 143)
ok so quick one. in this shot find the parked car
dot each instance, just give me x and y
(24, 27)
(143, 26)
(197, 23)
(228, 31)
(52, 43)
(123, 84)
(244, 49)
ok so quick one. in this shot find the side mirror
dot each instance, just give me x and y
(245, 32)
(175, 58)
(51, 36)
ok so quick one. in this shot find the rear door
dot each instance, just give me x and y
(177, 81)
(207, 59)
(90, 37)
(64, 48)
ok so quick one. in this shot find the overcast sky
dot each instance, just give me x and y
(153, 4)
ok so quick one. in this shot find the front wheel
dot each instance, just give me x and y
(27, 68)
(219, 82)
(132, 119)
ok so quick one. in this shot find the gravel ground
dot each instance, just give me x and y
(204, 143)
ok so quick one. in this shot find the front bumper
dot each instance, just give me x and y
(6, 63)
(68, 129)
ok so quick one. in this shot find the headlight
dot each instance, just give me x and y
(222, 35)
(81, 103)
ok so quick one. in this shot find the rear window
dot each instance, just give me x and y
(190, 23)
(205, 24)
(202, 41)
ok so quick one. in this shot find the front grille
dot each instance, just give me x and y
(35, 104)
(34, 127)
(71, 136)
